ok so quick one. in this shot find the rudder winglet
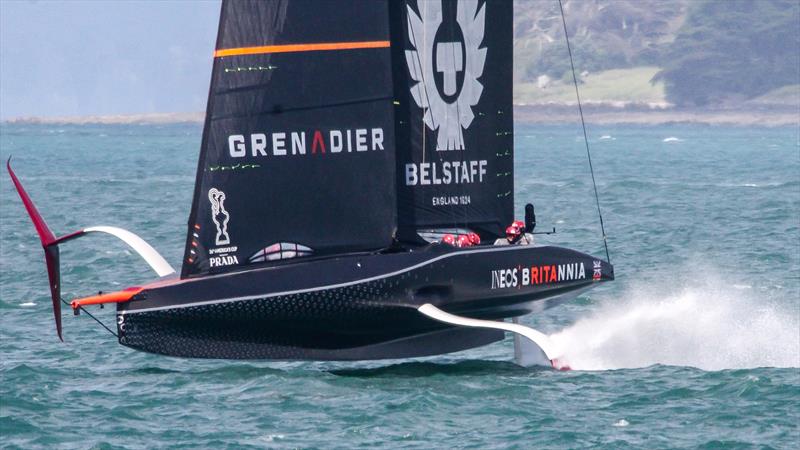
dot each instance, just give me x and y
(49, 244)
(45, 235)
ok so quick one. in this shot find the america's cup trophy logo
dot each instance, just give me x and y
(446, 63)
(219, 215)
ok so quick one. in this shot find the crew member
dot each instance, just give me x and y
(449, 239)
(463, 241)
(526, 238)
(515, 235)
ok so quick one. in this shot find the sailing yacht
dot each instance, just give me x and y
(343, 142)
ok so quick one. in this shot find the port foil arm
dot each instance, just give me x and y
(145, 250)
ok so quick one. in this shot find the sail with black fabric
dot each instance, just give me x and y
(453, 81)
(297, 155)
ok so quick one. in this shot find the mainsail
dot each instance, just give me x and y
(454, 118)
(298, 144)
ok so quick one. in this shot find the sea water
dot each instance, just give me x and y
(696, 344)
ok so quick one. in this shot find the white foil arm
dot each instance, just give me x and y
(150, 255)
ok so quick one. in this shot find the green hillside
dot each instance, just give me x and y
(695, 52)
(617, 87)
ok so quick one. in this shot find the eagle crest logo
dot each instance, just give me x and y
(446, 71)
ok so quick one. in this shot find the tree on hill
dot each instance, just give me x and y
(605, 34)
(732, 50)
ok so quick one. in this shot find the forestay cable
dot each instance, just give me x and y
(92, 316)
(583, 124)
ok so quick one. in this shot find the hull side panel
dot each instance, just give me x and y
(362, 307)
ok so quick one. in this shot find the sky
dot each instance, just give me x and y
(99, 57)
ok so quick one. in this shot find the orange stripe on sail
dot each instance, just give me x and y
(292, 48)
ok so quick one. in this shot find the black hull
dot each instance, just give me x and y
(353, 307)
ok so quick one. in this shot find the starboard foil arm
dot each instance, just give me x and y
(50, 245)
(537, 338)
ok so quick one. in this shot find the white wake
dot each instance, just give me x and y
(711, 325)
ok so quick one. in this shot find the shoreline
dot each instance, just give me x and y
(111, 119)
(598, 115)
(523, 114)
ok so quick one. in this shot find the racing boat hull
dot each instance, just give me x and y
(353, 307)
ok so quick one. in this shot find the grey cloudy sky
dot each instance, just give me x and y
(86, 57)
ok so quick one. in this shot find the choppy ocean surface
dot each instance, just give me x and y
(696, 344)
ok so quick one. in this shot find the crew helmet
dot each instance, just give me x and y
(513, 232)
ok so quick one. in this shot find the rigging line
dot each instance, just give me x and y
(92, 316)
(454, 212)
(585, 137)
(458, 118)
(424, 84)
(98, 321)
(419, 49)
